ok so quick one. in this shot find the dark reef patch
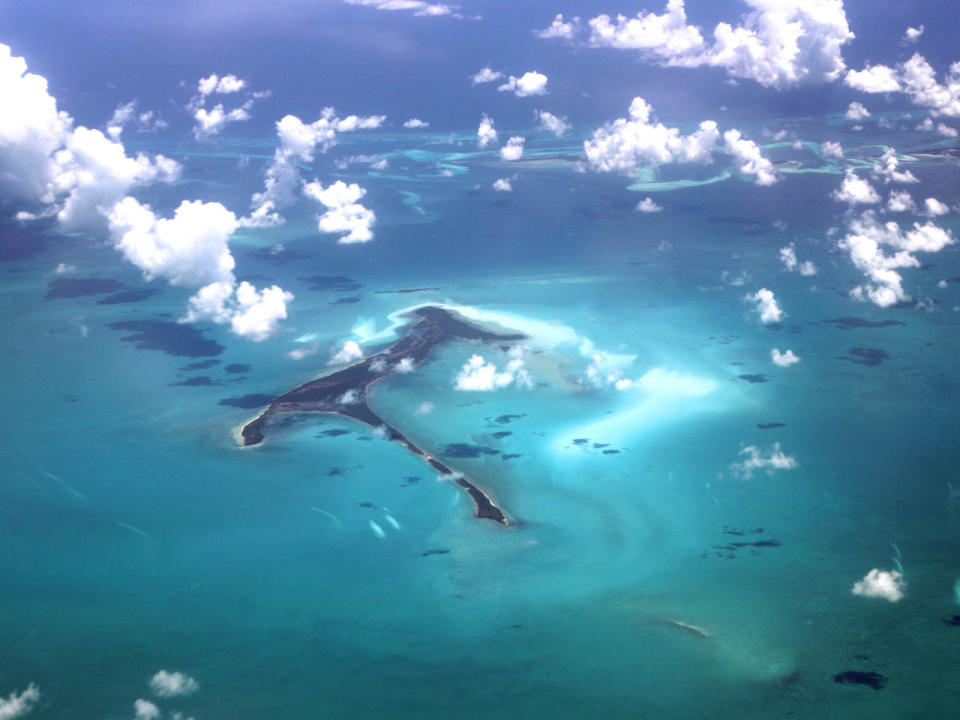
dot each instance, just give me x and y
(851, 323)
(334, 283)
(410, 480)
(464, 450)
(857, 677)
(129, 296)
(581, 441)
(236, 368)
(754, 378)
(865, 356)
(435, 551)
(248, 402)
(169, 337)
(347, 300)
(198, 381)
(954, 621)
(201, 365)
(505, 419)
(79, 287)
(499, 435)
(335, 432)
(611, 452)
(770, 426)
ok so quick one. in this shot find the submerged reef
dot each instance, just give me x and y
(345, 392)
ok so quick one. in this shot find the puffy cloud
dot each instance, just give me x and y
(888, 166)
(552, 123)
(946, 130)
(478, 375)
(855, 190)
(624, 144)
(166, 684)
(807, 268)
(126, 114)
(900, 201)
(485, 75)
(766, 306)
(17, 705)
(559, 29)
(486, 133)
(145, 710)
(788, 256)
(783, 359)
(831, 149)
(211, 122)
(298, 142)
(915, 77)
(350, 397)
(420, 8)
(647, 205)
(778, 44)
(189, 249)
(865, 244)
(405, 366)
(415, 123)
(768, 461)
(530, 83)
(912, 35)
(856, 111)
(935, 208)
(752, 161)
(874, 79)
(349, 352)
(225, 85)
(251, 313)
(886, 584)
(64, 269)
(502, 185)
(513, 150)
(344, 214)
(424, 408)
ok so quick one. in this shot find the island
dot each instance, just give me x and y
(345, 391)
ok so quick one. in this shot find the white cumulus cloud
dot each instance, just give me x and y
(251, 313)
(559, 29)
(917, 79)
(415, 123)
(486, 133)
(173, 684)
(647, 205)
(419, 8)
(552, 123)
(17, 705)
(831, 149)
(751, 160)
(513, 150)
(856, 111)
(349, 352)
(912, 34)
(784, 359)
(855, 190)
(530, 83)
(886, 584)
(935, 208)
(765, 305)
(344, 215)
(478, 375)
(485, 75)
(900, 201)
(145, 710)
(887, 169)
(502, 185)
(769, 461)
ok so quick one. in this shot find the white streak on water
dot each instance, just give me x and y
(377, 530)
(69, 489)
(393, 521)
(138, 531)
(329, 515)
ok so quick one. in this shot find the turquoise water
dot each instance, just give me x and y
(137, 536)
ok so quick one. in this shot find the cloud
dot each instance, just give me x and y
(766, 306)
(513, 150)
(769, 461)
(424, 408)
(647, 205)
(211, 122)
(831, 149)
(415, 123)
(486, 133)
(752, 161)
(64, 269)
(298, 142)
(935, 208)
(251, 313)
(166, 684)
(552, 123)
(778, 44)
(420, 8)
(663, 382)
(344, 214)
(530, 83)
(17, 705)
(865, 243)
(349, 352)
(189, 249)
(559, 29)
(788, 256)
(900, 201)
(916, 78)
(856, 111)
(405, 366)
(783, 359)
(886, 584)
(225, 85)
(502, 185)
(887, 169)
(145, 710)
(485, 75)
(624, 144)
(912, 35)
(478, 375)
(126, 114)
(855, 190)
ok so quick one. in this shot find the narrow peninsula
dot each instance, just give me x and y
(345, 391)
